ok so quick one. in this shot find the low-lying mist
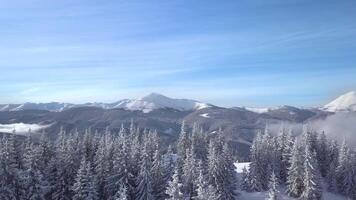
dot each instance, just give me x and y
(338, 126)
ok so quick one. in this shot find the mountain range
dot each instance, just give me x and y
(145, 104)
(164, 114)
(153, 101)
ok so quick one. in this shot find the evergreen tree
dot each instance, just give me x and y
(33, 182)
(343, 172)
(323, 154)
(121, 194)
(101, 167)
(11, 183)
(295, 185)
(189, 174)
(174, 191)
(244, 182)
(273, 193)
(84, 187)
(204, 191)
(158, 179)
(144, 180)
(312, 180)
(333, 157)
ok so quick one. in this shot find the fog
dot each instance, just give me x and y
(21, 128)
(339, 126)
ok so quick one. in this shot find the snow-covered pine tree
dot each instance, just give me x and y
(64, 168)
(46, 150)
(174, 189)
(84, 187)
(121, 194)
(311, 179)
(144, 179)
(101, 167)
(322, 154)
(244, 182)
(287, 146)
(33, 181)
(204, 191)
(183, 142)
(11, 182)
(295, 185)
(255, 177)
(333, 158)
(343, 177)
(189, 173)
(273, 193)
(120, 173)
(158, 179)
(230, 181)
(219, 172)
(51, 174)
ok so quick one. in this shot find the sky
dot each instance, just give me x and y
(228, 53)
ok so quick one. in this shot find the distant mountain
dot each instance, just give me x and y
(345, 102)
(157, 112)
(145, 104)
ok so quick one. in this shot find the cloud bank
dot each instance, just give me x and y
(21, 128)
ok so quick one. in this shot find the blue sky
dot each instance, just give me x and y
(229, 53)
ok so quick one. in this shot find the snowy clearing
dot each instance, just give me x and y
(205, 115)
(262, 195)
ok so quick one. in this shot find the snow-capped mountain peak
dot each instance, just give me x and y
(145, 104)
(154, 101)
(345, 102)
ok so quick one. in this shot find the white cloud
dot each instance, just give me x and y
(21, 128)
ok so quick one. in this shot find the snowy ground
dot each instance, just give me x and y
(262, 195)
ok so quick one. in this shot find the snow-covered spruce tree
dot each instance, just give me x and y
(189, 174)
(51, 174)
(87, 145)
(66, 164)
(312, 179)
(101, 167)
(198, 143)
(218, 172)
(33, 181)
(255, 174)
(204, 191)
(295, 185)
(345, 171)
(183, 142)
(158, 179)
(322, 154)
(11, 182)
(174, 189)
(286, 145)
(333, 158)
(46, 150)
(231, 180)
(135, 153)
(84, 187)
(273, 193)
(120, 173)
(144, 179)
(244, 182)
(121, 194)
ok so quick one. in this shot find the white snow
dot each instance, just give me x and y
(205, 115)
(282, 189)
(21, 128)
(155, 101)
(257, 110)
(145, 104)
(345, 102)
(240, 166)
